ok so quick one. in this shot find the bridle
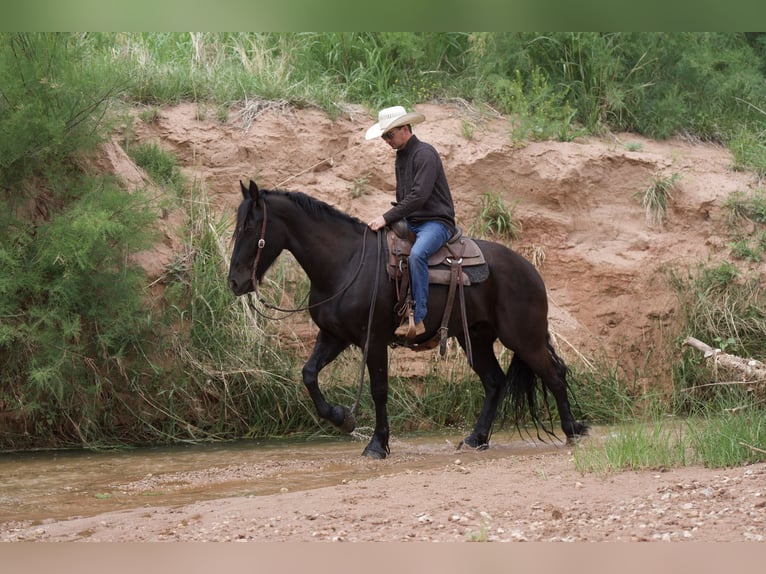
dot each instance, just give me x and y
(262, 244)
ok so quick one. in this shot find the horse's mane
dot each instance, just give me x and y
(316, 208)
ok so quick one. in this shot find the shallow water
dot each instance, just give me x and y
(60, 484)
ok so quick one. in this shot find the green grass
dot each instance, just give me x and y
(747, 217)
(719, 440)
(637, 446)
(161, 165)
(657, 196)
(730, 439)
(496, 219)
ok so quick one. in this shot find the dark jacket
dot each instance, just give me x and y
(422, 192)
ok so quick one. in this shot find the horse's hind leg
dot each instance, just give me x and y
(552, 370)
(493, 379)
(326, 348)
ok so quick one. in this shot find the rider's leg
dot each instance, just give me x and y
(430, 236)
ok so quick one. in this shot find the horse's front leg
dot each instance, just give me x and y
(326, 348)
(377, 367)
(493, 379)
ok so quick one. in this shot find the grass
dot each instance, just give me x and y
(717, 441)
(360, 185)
(162, 166)
(730, 439)
(747, 216)
(657, 196)
(636, 446)
(496, 219)
(721, 424)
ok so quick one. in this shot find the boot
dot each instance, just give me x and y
(410, 331)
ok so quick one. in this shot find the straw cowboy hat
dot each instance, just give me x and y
(394, 117)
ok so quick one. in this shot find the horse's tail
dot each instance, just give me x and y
(523, 394)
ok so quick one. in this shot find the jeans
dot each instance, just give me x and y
(430, 236)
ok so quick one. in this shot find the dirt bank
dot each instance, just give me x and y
(605, 264)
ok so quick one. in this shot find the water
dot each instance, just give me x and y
(56, 485)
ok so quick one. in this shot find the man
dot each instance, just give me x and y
(423, 200)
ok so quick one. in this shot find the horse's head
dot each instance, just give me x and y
(251, 245)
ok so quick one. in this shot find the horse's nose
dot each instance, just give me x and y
(233, 284)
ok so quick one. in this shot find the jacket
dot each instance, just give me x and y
(422, 192)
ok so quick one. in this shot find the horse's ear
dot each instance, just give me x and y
(250, 192)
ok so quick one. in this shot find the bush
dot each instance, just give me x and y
(72, 309)
(52, 106)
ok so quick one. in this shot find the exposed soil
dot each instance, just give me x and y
(604, 263)
(496, 495)
(605, 266)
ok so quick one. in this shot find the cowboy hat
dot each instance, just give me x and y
(394, 117)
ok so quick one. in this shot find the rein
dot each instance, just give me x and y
(365, 352)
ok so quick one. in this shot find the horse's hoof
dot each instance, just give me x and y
(473, 444)
(576, 432)
(373, 453)
(349, 422)
(575, 439)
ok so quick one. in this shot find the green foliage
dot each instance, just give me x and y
(723, 427)
(635, 446)
(161, 166)
(360, 184)
(51, 104)
(538, 111)
(496, 219)
(748, 147)
(72, 309)
(656, 197)
(719, 304)
(731, 438)
(747, 216)
(555, 85)
(747, 206)
(717, 440)
(603, 394)
(656, 84)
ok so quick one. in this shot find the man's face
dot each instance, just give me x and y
(396, 137)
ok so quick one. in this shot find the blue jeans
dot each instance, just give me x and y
(430, 236)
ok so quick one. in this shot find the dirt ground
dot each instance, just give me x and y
(465, 496)
(605, 266)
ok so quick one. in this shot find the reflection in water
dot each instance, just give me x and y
(62, 484)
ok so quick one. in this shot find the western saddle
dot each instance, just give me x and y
(458, 263)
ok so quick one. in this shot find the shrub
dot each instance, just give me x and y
(496, 218)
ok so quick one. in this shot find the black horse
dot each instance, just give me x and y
(340, 255)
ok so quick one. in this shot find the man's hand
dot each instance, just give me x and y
(377, 223)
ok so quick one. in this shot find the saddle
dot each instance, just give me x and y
(458, 263)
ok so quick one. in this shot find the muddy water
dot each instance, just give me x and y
(56, 485)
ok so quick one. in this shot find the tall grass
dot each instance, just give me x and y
(720, 303)
(636, 446)
(657, 196)
(653, 83)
